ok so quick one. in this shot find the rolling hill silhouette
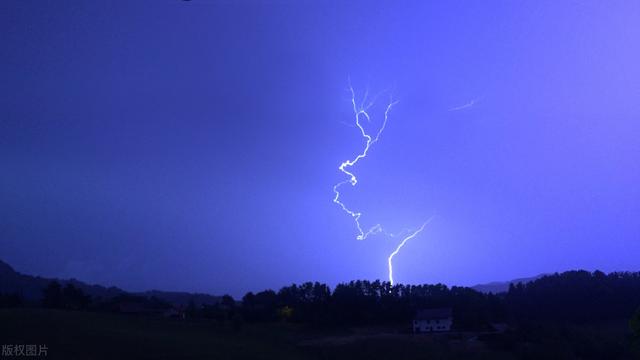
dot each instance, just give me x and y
(30, 288)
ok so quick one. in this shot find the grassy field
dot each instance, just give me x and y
(86, 335)
(90, 335)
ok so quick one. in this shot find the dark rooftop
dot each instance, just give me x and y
(437, 313)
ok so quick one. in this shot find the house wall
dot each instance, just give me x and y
(421, 326)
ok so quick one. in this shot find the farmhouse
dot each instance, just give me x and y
(432, 320)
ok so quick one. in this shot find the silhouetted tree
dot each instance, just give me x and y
(227, 302)
(74, 298)
(52, 296)
(573, 297)
(576, 297)
(224, 310)
(261, 306)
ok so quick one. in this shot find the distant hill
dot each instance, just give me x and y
(30, 288)
(502, 286)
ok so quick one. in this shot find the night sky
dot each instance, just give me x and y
(194, 145)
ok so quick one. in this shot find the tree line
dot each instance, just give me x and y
(574, 296)
(567, 313)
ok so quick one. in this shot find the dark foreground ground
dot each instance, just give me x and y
(89, 335)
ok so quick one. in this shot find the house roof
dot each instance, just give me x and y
(437, 313)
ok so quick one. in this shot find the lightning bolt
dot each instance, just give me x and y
(404, 241)
(361, 111)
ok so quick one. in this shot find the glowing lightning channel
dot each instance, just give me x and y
(404, 241)
(360, 111)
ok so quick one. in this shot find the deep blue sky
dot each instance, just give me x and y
(193, 145)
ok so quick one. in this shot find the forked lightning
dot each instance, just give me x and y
(361, 111)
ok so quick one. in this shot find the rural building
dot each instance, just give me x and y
(433, 320)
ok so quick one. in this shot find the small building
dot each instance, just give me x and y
(433, 320)
(175, 313)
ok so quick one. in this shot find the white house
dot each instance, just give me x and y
(433, 320)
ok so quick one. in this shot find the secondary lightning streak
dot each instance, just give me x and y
(404, 241)
(465, 106)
